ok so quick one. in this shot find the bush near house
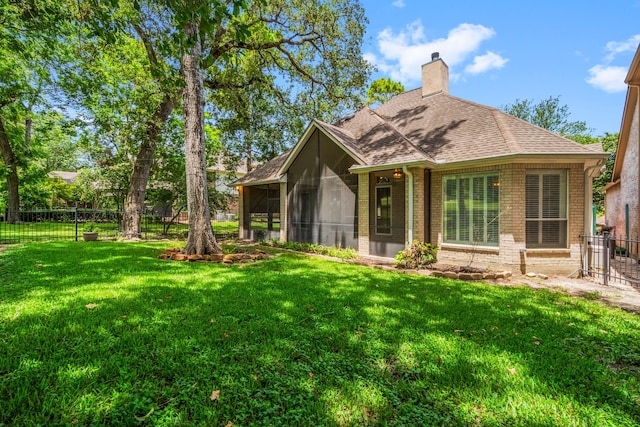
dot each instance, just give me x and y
(418, 255)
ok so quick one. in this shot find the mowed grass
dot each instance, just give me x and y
(104, 333)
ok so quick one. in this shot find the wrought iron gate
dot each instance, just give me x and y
(610, 258)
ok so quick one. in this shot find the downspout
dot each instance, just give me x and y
(587, 226)
(410, 207)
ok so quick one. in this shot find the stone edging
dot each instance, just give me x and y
(505, 275)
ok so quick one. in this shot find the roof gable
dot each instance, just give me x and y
(339, 136)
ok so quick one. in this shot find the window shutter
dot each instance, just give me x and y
(532, 201)
(546, 209)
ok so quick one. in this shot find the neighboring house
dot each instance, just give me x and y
(487, 188)
(221, 179)
(68, 177)
(622, 194)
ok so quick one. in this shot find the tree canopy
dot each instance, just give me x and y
(382, 90)
(547, 114)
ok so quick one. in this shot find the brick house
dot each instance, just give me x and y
(623, 192)
(487, 188)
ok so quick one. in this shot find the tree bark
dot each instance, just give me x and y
(201, 240)
(9, 159)
(134, 200)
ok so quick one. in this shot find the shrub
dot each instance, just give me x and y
(418, 255)
(334, 251)
(91, 227)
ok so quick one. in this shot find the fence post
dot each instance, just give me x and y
(605, 258)
(75, 219)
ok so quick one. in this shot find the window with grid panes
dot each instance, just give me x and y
(546, 209)
(472, 209)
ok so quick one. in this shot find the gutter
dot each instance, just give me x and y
(410, 207)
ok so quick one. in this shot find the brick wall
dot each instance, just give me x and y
(418, 204)
(512, 223)
(629, 184)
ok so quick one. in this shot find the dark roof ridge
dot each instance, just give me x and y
(505, 130)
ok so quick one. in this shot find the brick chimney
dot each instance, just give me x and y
(435, 76)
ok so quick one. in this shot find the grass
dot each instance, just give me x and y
(103, 333)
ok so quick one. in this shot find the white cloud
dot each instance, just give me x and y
(629, 45)
(399, 3)
(608, 78)
(402, 54)
(486, 62)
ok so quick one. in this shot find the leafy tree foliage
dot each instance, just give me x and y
(609, 144)
(547, 114)
(382, 90)
(31, 35)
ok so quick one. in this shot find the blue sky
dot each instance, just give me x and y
(501, 51)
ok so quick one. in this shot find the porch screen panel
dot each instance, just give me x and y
(322, 195)
(263, 211)
(472, 209)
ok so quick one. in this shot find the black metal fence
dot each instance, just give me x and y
(71, 224)
(609, 258)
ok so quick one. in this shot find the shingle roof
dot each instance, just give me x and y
(437, 129)
(265, 173)
(68, 177)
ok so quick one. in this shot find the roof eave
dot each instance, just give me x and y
(261, 182)
(550, 158)
(387, 166)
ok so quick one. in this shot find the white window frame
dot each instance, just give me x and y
(563, 199)
(471, 241)
(389, 186)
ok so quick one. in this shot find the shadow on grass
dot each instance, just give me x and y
(297, 340)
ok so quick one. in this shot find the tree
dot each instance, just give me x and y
(315, 44)
(382, 90)
(29, 41)
(547, 114)
(610, 145)
(127, 89)
(308, 52)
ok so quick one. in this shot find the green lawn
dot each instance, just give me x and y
(103, 333)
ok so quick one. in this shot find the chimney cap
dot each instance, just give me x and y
(435, 55)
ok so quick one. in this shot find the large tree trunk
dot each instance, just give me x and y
(134, 201)
(9, 159)
(201, 240)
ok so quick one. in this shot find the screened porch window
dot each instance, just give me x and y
(472, 209)
(546, 209)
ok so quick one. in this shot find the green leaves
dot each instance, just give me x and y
(548, 114)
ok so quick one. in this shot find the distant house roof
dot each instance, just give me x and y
(219, 166)
(68, 177)
(266, 173)
(434, 131)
